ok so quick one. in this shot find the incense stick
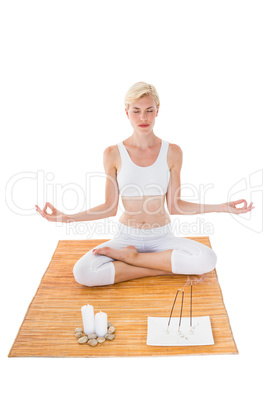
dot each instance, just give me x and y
(191, 306)
(172, 309)
(181, 310)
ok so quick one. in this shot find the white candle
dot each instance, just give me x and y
(101, 323)
(88, 319)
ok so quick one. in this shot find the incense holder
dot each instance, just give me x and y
(199, 334)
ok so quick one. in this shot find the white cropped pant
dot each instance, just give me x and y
(188, 257)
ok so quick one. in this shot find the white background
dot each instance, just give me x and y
(65, 68)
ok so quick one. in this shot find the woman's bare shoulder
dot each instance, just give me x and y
(111, 154)
(174, 154)
(175, 149)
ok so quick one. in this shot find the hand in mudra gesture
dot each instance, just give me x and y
(232, 207)
(55, 216)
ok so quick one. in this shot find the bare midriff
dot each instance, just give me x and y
(146, 212)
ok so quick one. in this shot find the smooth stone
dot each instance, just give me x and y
(78, 330)
(93, 342)
(109, 324)
(92, 336)
(109, 337)
(101, 339)
(83, 339)
(111, 329)
(79, 334)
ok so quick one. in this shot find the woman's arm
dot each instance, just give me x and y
(99, 212)
(105, 210)
(177, 206)
(190, 208)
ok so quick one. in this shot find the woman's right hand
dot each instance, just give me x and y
(56, 216)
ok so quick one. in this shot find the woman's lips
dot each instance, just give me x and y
(143, 125)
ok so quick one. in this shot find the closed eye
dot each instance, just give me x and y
(149, 111)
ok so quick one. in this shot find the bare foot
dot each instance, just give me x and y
(124, 254)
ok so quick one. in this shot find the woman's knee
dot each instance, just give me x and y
(86, 273)
(184, 262)
(208, 261)
(79, 271)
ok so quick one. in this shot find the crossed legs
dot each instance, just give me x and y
(129, 264)
(117, 263)
(127, 272)
(188, 257)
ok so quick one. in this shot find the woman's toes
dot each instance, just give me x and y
(96, 250)
(103, 251)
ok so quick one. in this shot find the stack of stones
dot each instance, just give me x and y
(94, 339)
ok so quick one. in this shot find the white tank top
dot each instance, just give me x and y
(137, 181)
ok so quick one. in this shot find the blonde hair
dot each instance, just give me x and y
(138, 90)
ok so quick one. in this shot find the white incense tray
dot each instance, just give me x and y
(201, 333)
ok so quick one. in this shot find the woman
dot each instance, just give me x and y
(145, 171)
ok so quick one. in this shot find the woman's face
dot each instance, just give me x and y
(143, 112)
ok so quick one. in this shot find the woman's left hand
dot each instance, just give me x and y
(231, 207)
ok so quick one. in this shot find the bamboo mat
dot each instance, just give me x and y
(55, 311)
